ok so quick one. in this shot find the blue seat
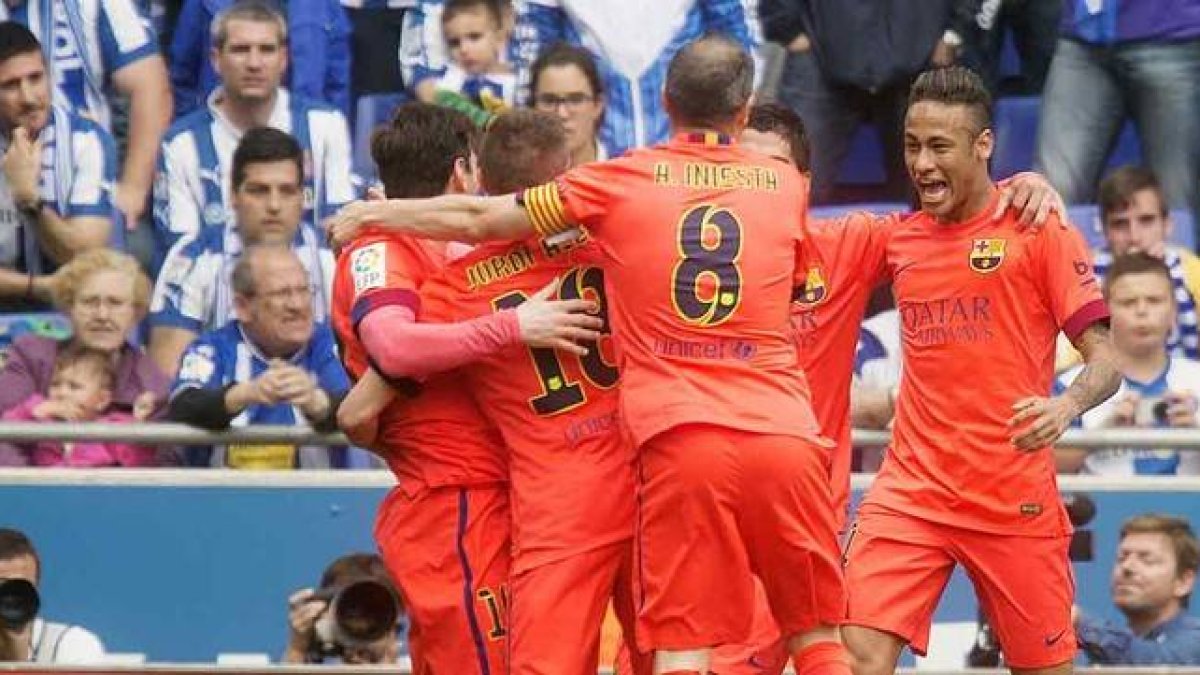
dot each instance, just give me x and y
(1183, 233)
(1016, 125)
(863, 163)
(1128, 149)
(1086, 217)
(371, 111)
(877, 208)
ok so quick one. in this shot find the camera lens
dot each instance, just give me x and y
(365, 611)
(19, 603)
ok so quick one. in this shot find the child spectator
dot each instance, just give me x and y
(81, 390)
(475, 36)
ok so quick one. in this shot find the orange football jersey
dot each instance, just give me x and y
(827, 310)
(571, 466)
(981, 304)
(699, 241)
(433, 432)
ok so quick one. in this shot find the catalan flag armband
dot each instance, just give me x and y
(545, 208)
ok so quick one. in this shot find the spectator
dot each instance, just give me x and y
(475, 39)
(1152, 582)
(1034, 27)
(270, 366)
(632, 47)
(42, 641)
(1118, 60)
(851, 63)
(55, 196)
(193, 291)
(877, 368)
(307, 608)
(565, 82)
(1157, 389)
(317, 42)
(1134, 217)
(377, 27)
(81, 390)
(249, 54)
(98, 48)
(104, 295)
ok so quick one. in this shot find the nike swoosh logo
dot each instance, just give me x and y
(1051, 641)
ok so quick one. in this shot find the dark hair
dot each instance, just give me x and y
(356, 566)
(416, 152)
(1137, 262)
(77, 354)
(494, 8)
(522, 148)
(1118, 188)
(774, 118)
(1178, 530)
(14, 544)
(954, 85)
(708, 81)
(261, 145)
(563, 54)
(16, 39)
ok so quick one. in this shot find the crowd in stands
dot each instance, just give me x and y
(167, 168)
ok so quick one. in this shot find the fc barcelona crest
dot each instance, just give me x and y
(987, 254)
(815, 289)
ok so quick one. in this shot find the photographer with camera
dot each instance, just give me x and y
(1158, 389)
(1152, 581)
(24, 636)
(353, 617)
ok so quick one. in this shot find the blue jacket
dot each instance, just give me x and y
(318, 51)
(1174, 643)
(1131, 20)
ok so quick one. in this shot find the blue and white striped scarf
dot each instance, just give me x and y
(1184, 339)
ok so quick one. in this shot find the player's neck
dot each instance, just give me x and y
(584, 154)
(976, 203)
(729, 130)
(245, 114)
(1142, 367)
(1142, 623)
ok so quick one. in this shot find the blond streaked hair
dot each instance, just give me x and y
(69, 279)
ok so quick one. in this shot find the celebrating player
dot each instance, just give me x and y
(699, 241)
(444, 530)
(969, 477)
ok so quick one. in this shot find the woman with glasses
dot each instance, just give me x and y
(104, 295)
(565, 82)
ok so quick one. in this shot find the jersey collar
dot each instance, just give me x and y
(704, 138)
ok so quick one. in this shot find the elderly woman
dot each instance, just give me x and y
(104, 295)
(565, 83)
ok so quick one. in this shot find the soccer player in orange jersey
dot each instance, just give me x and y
(571, 469)
(699, 242)
(969, 478)
(444, 530)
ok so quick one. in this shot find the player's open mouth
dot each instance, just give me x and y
(933, 190)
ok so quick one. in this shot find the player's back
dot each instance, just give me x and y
(571, 466)
(981, 304)
(432, 432)
(699, 240)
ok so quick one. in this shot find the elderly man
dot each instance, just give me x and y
(193, 290)
(250, 44)
(272, 365)
(1152, 581)
(58, 172)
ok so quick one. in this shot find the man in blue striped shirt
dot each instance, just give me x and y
(95, 49)
(57, 180)
(250, 55)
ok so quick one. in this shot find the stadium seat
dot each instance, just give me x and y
(949, 644)
(863, 163)
(1086, 217)
(1128, 149)
(1183, 231)
(878, 208)
(1016, 124)
(371, 111)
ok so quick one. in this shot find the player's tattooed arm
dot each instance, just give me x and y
(1039, 421)
(465, 218)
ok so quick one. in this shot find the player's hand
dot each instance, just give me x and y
(1032, 196)
(1123, 413)
(343, 226)
(558, 324)
(1038, 422)
(303, 612)
(1181, 408)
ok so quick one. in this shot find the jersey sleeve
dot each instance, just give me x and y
(95, 174)
(385, 273)
(184, 285)
(125, 37)
(199, 368)
(582, 196)
(1074, 295)
(866, 238)
(331, 376)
